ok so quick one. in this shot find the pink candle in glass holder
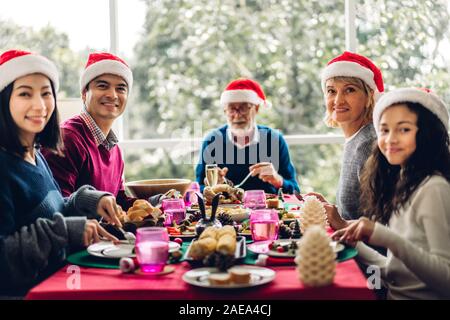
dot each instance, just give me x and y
(174, 208)
(264, 224)
(255, 199)
(152, 248)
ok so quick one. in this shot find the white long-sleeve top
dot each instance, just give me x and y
(417, 265)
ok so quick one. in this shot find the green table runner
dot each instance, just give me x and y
(83, 258)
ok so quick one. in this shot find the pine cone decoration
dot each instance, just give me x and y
(284, 232)
(220, 261)
(312, 212)
(296, 233)
(315, 258)
(160, 222)
(196, 216)
(225, 219)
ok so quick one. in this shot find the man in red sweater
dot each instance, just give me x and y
(91, 154)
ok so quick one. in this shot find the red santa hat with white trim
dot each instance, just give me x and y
(100, 63)
(15, 64)
(350, 64)
(423, 96)
(244, 90)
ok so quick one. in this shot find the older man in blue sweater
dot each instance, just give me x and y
(241, 146)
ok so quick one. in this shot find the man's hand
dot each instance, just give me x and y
(108, 209)
(222, 174)
(267, 173)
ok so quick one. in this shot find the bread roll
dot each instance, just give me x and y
(210, 232)
(226, 230)
(203, 247)
(227, 245)
(239, 275)
(219, 278)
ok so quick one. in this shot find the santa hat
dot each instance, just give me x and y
(243, 90)
(100, 63)
(425, 97)
(15, 64)
(354, 65)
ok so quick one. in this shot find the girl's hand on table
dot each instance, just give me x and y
(359, 230)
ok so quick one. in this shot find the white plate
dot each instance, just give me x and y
(106, 249)
(263, 247)
(258, 276)
(337, 247)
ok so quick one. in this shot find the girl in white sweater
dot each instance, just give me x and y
(406, 197)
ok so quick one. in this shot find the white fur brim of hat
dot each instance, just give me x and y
(235, 96)
(427, 99)
(25, 65)
(349, 69)
(106, 67)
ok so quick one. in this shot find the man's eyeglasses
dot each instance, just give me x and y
(242, 109)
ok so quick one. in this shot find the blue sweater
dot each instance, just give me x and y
(33, 231)
(217, 148)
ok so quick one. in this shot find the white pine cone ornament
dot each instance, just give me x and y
(315, 258)
(312, 212)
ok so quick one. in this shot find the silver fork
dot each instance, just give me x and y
(128, 235)
(245, 179)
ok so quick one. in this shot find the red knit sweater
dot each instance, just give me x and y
(86, 163)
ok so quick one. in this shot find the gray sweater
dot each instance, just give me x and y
(356, 153)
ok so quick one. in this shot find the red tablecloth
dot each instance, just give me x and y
(349, 283)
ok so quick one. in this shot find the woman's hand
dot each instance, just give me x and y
(359, 230)
(267, 173)
(108, 209)
(334, 218)
(320, 197)
(92, 232)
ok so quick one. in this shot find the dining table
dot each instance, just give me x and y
(74, 282)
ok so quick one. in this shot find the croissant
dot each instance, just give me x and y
(137, 214)
(229, 193)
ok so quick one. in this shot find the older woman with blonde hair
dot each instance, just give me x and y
(351, 84)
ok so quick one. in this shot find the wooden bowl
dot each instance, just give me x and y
(143, 189)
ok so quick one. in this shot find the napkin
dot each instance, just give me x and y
(265, 260)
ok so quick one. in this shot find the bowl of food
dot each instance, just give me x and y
(144, 189)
